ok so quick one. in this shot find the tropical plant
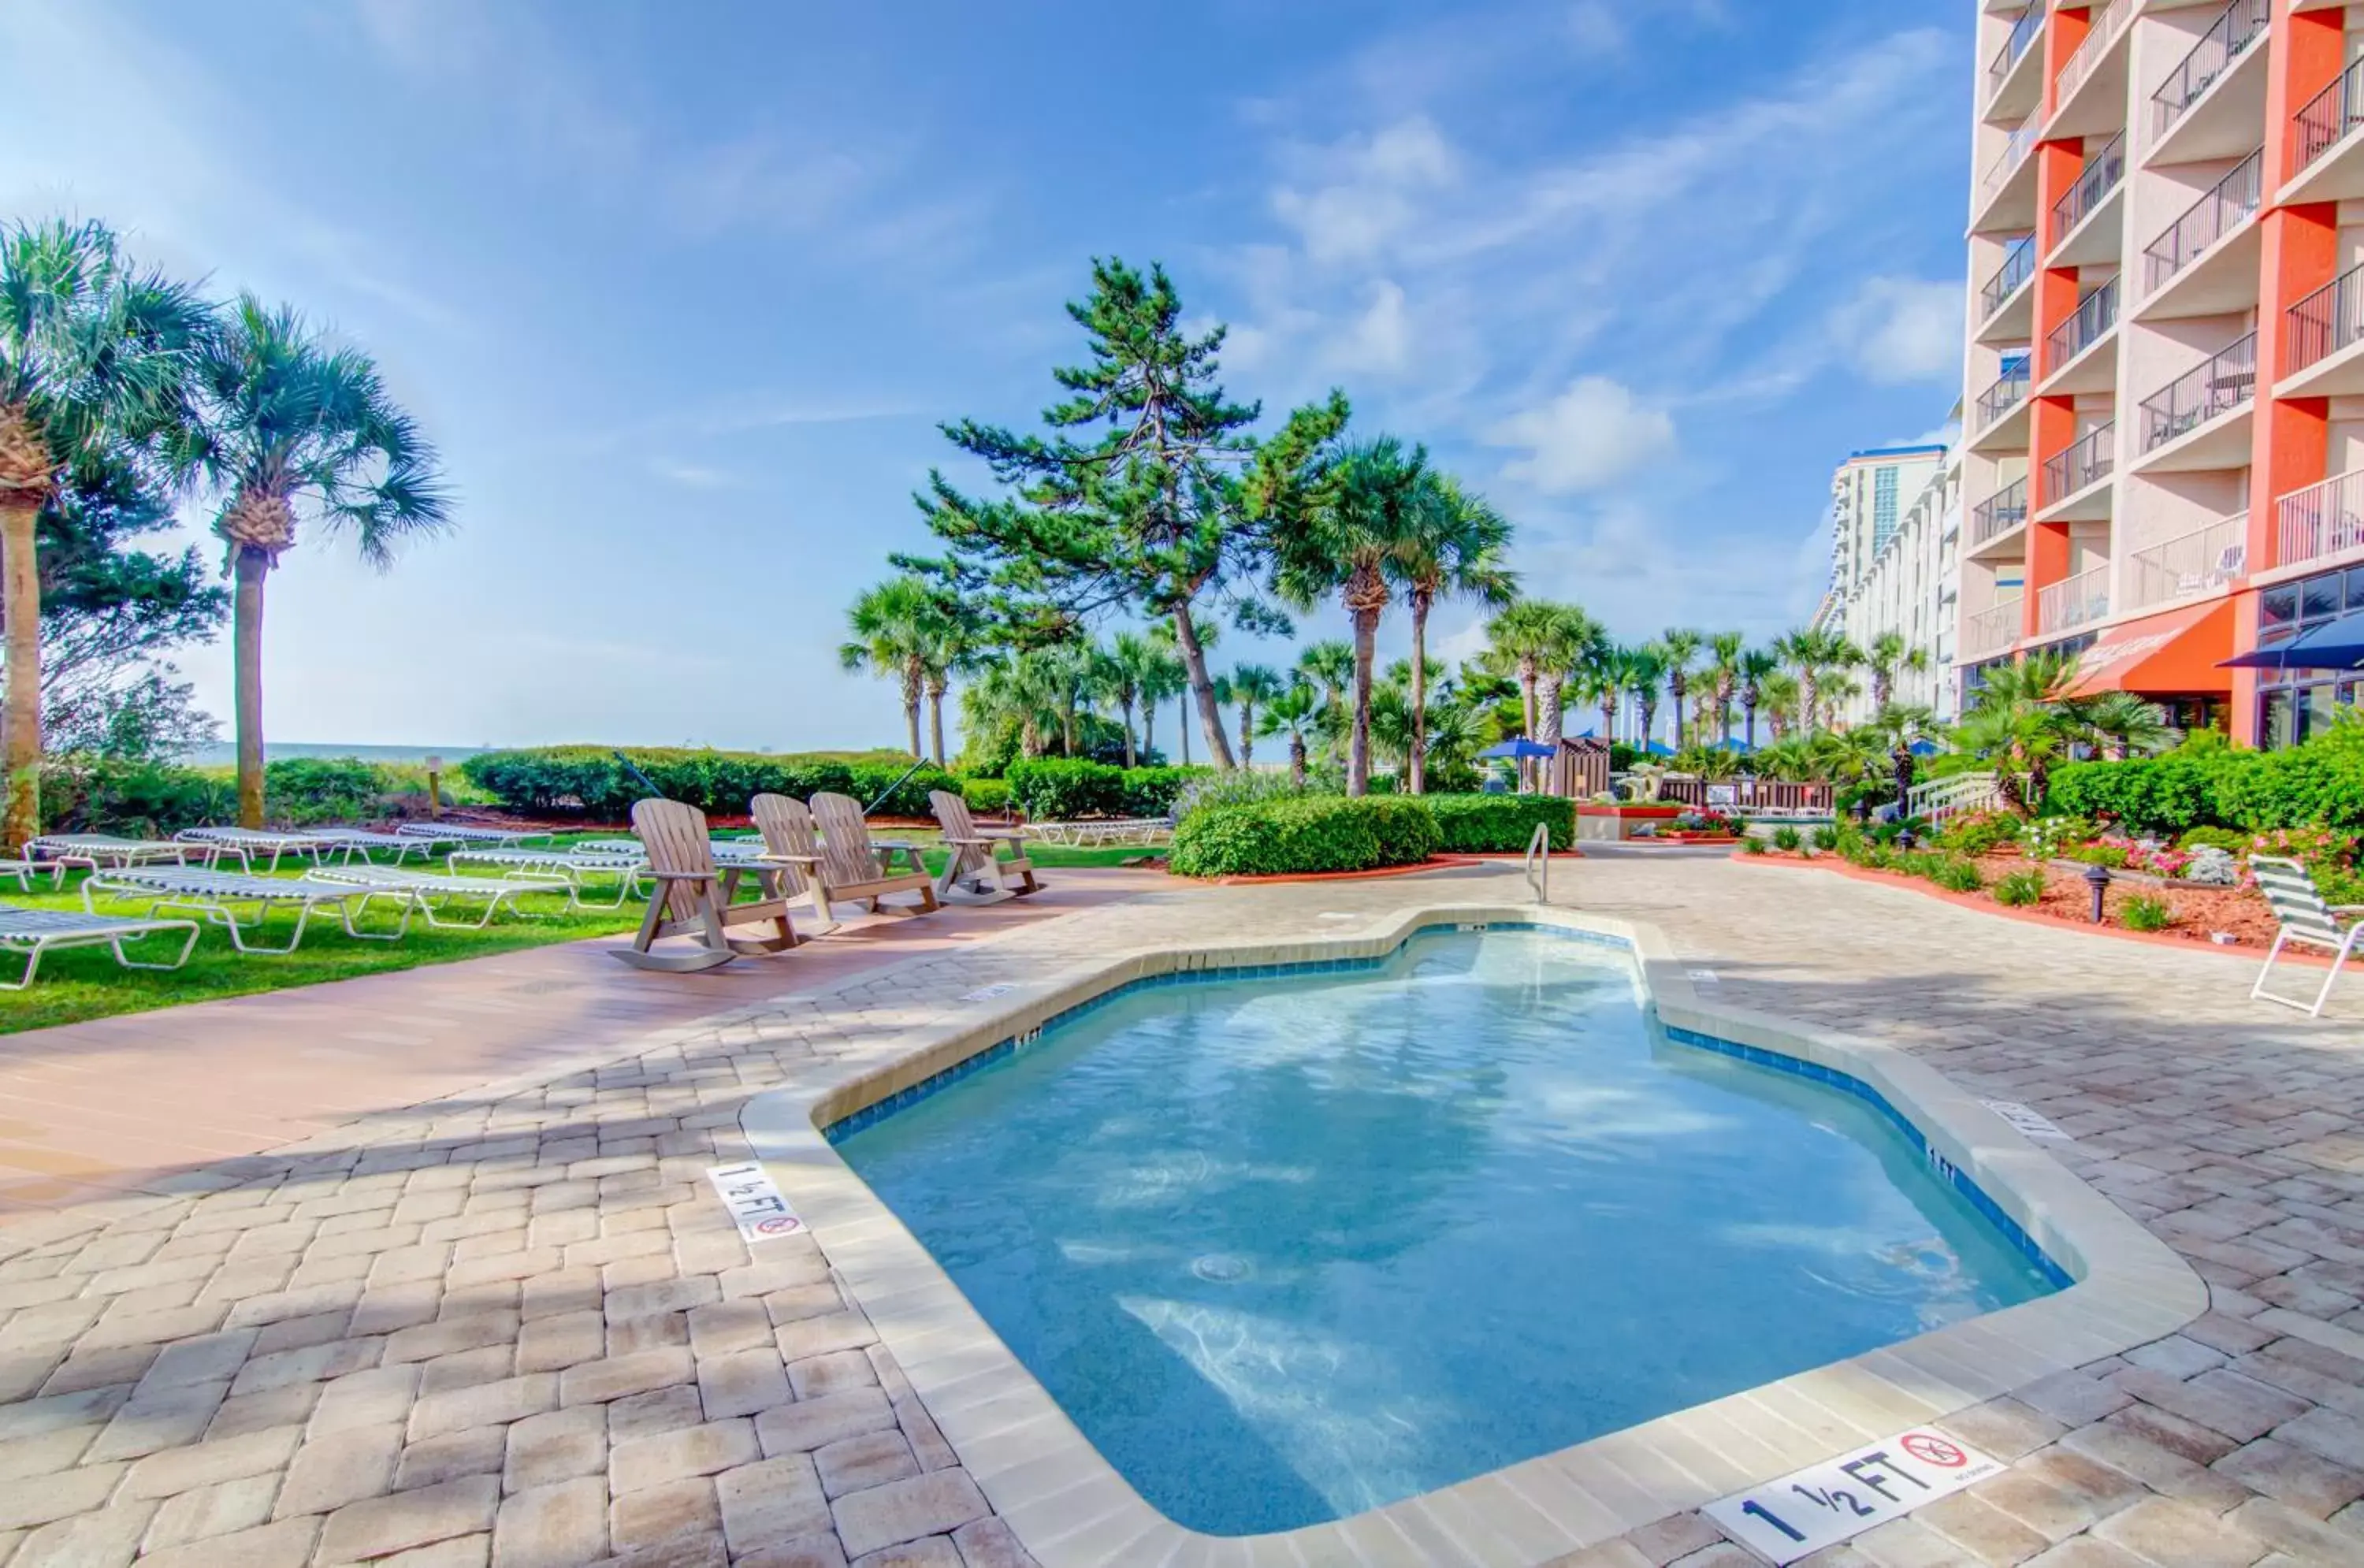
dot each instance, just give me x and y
(1885, 657)
(1725, 651)
(2120, 724)
(1901, 727)
(1452, 548)
(1779, 695)
(1296, 714)
(1251, 686)
(1170, 504)
(899, 633)
(1787, 839)
(2020, 888)
(1571, 652)
(1753, 669)
(2022, 723)
(1174, 673)
(2146, 912)
(1520, 639)
(1642, 673)
(1678, 651)
(1125, 673)
(1813, 653)
(298, 432)
(96, 363)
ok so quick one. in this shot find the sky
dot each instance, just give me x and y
(682, 293)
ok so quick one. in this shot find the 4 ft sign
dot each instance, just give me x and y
(1797, 1516)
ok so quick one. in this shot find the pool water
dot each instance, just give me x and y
(1288, 1248)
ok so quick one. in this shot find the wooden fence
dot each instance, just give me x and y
(1746, 795)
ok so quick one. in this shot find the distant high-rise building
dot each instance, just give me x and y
(1868, 494)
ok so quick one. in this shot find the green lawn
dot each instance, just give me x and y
(86, 982)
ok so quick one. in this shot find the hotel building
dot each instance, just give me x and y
(1910, 588)
(2163, 442)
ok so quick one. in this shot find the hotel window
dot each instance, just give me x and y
(2294, 704)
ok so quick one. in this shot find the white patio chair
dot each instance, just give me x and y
(246, 843)
(92, 850)
(562, 867)
(2303, 916)
(460, 833)
(33, 932)
(216, 896)
(431, 893)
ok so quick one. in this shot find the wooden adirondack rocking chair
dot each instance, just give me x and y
(850, 868)
(976, 852)
(690, 897)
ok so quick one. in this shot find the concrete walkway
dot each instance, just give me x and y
(512, 1325)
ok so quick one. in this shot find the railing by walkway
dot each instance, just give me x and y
(1941, 798)
(2004, 395)
(2095, 315)
(1999, 513)
(2018, 266)
(2102, 27)
(1746, 794)
(2330, 115)
(1992, 630)
(2242, 24)
(2024, 32)
(2201, 561)
(2226, 207)
(2225, 382)
(2081, 462)
(2072, 602)
(2102, 171)
(2326, 321)
(2014, 151)
(2320, 521)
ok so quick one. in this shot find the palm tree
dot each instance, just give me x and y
(1678, 650)
(1645, 671)
(1454, 550)
(96, 363)
(2024, 725)
(1168, 641)
(1813, 652)
(1887, 654)
(1126, 673)
(1571, 648)
(1778, 690)
(1296, 713)
(2120, 724)
(297, 431)
(1349, 541)
(1163, 676)
(1251, 686)
(1752, 670)
(1901, 726)
(896, 633)
(1020, 689)
(1724, 650)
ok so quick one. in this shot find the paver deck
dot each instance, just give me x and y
(511, 1326)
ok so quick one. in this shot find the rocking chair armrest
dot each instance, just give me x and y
(683, 875)
(791, 859)
(970, 843)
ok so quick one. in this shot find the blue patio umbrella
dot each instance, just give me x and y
(1519, 746)
(2338, 645)
(1658, 748)
(1732, 743)
(1925, 748)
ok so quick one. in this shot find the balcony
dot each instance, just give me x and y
(2212, 104)
(1999, 515)
(2007, 189)
(2205, 560)
(2206, 262)
(2328, 153)
(2073, 475)
(2184, 424)
(2088, 219)
(2089, 96)
(2324, 348)
(2073, 602)
(2070, 364)
(2015, 76)
(2001, 416)
(2008, 286)
(2320, 522)
(1992, 630)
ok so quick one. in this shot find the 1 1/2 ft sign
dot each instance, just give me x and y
(1798, 1514)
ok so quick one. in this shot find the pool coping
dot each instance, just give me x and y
(1070, 1507)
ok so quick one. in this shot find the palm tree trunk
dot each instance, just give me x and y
(1807, 697)
(1131, 759)
(1748, 703)
(1678, 688)
(936, 720)
(1202, 689)
(1550, 714)
(1149, 725)
(912, 684)
(1359, 755)
(249, 570)
(1247, 733)
(1182, 722)
(20, 593)
(1296, 760)
(1528, 675)
(1416, 765)
(1609, 716)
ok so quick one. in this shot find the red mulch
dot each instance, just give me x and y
(1434, 862)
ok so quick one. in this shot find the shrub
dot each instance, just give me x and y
(138, 799)
(1499, 824)
(2049, 836)
(1787, 839)
(1957, 875)
(1826, 837)
(2205, 783)
(300, 790)
(1302, 834)
(1151, 792)
(1978, 832)
(546, 779)
(1058, 789)
(2020, 888)
(2214, 839)
(2113, 856)
(985, 795)
(1752, 845)
(2146, 912)
(1241, 786)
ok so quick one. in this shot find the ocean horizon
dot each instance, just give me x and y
(223, 753)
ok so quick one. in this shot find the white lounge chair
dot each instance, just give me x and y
(459, 833)
(431, 892)
(26, 871)
(2303, 916)
(217, 896)
(33, 932)
(363, 843)
(247, 843)
(1101, 832)
(92, 850)
(562, 867)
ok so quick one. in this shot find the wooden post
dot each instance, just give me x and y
(434, 786)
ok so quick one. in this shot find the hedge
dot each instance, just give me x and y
(97, 794)
(544, 780)
(2209, 784)
(1303, 834)
(1499, 824)
(1060, 789)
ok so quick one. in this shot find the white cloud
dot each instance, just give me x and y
(1379, 340)
(1588, 436)
(1364, 192)
(1901, 329)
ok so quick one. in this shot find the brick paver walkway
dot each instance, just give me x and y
(512, 1325)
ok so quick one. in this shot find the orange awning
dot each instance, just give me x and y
(2170, 654)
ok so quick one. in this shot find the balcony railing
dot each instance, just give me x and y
(2103, 26)
(2072, 602)
(2024, 32)
(2102, 171)
(2326, 321)
(1992, 630)
(2005, 395)
(2006, 165)
(2229, 37)
(1999, 513)
(2321, 520)
(2095, 315)
(2018, 266)
(2330, 115)
(2225, 208)
(2081, 463)
(2221, 384)
(2198, 562)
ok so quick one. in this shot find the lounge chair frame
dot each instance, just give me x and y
(974, 855)
(361, 842)
(1090, 834)
(247, 843)
(563, 868)
(2303, 916)
(216, 896)
(33, 932)
(692, 899)
(466, 833)
(93, 850)
(425, 888)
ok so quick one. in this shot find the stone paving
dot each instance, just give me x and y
(513, 1325)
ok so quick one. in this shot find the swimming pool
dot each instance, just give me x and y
(1290, 1246)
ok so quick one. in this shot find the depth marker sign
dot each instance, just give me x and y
(2028, 1123)
(1798, 1514)
(754, 1202)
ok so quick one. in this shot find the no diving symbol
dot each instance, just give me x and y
(778, 1225)
(1934, 1451)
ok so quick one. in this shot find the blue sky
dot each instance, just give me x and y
(681, 291)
